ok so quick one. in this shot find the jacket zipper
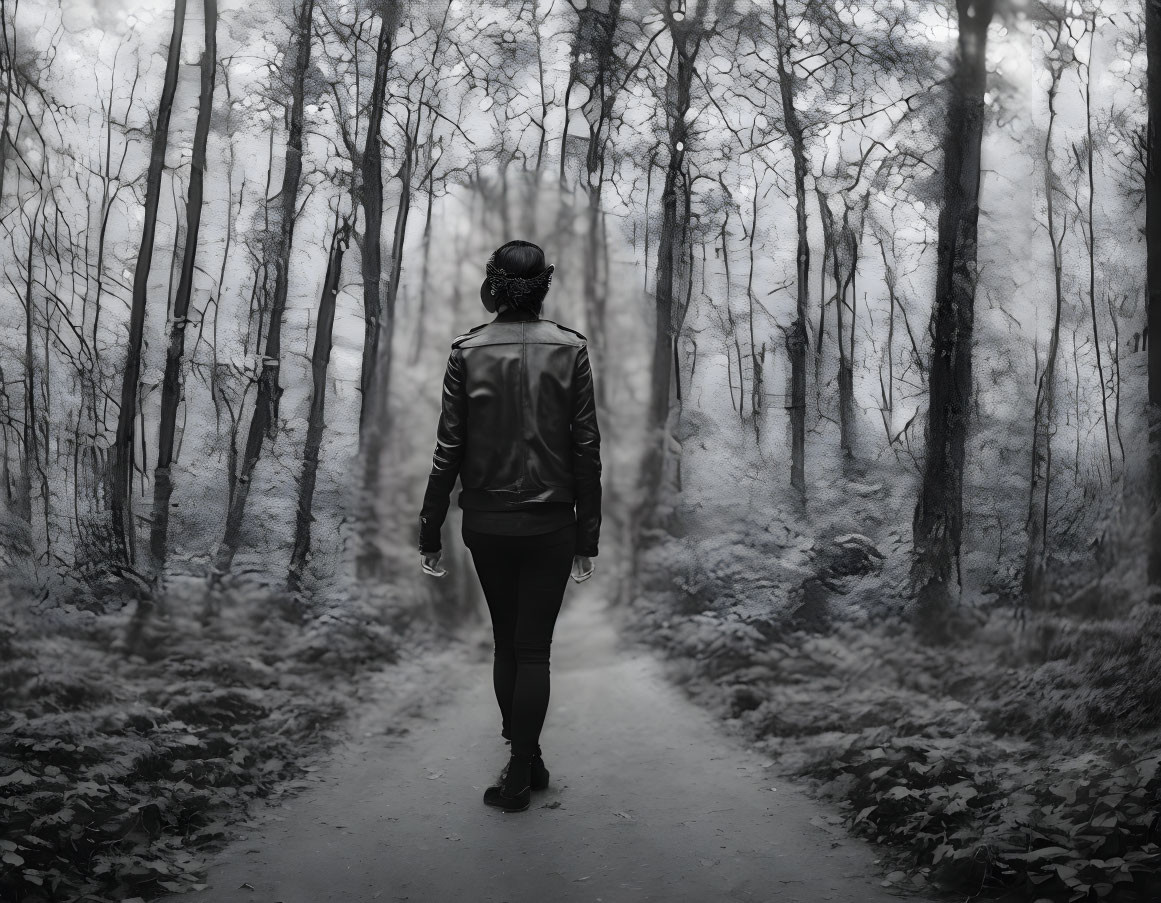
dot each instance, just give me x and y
(523, 400)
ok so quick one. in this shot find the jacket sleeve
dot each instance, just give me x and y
(586, 458)
(451, 436)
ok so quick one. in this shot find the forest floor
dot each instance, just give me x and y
(1020, 762)
(695, 755)
(650, 798)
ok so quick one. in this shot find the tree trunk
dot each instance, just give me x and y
(121, 459)
(829, 244)
(420, 311)
(319, 362)
(265, 414)
(757, 358)
(596, 286)
(1096, 339)
(597, 31)
(796, 338)
(1153, 279)
(677, 93)
(31, 451)
(369, 563)
(938, 522)
(371, 199)
(1036, 556)
(9, 86)
(845, 254)
(399, 238)
(171, 384)
(888, 391)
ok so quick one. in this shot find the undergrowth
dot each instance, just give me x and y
(1021, 761)
(117, 774)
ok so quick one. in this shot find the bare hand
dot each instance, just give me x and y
(430, 563)
(582, 568)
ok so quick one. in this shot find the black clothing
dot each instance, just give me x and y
(541, 517)
(524, 578)
(518, 426)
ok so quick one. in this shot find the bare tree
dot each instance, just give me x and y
(171, 389)
(434, 150)
(121, 458)
(265, 413)
(1043, 415)
(415, 94)
(370, 194)
(1153, 278)
(595, 66)
(938, 521)
(843, 241)
(686, 33)
(1091, 26)
(369, 559)
(30, 459)
(319, 362)
(796, 337)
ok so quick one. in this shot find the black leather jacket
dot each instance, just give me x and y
(518, 426)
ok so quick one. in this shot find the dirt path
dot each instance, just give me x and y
(648, 801)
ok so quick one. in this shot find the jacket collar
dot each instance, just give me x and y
(512, 314)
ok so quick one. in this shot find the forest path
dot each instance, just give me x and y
(649, 799)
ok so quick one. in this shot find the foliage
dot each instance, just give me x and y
(119, 773)
(1023, 758)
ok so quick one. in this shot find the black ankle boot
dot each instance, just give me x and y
(514, 791)
(539, 774)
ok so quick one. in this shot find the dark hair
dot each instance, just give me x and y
(518, 275)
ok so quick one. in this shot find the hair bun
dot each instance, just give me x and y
(519, 288)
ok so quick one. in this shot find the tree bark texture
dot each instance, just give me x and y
(171, 383)
(31, 452)
(369, 562)
(938, 522)
(1040, 488)
(1153, 277)
(846, 261)
(319, 362)
(121, 458)
(371, 199)
(686, 41)
(796, 337)
(264, 416)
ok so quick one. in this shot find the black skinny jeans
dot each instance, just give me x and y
(524, 579)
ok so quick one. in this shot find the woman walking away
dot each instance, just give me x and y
(518, 426)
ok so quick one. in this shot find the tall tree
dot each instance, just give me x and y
(121, 457)
(369, 561)
(1153, 275)
(30, 459)
(796, 338)
(686, 34)
(1091, 26)
(265, 413)
(171, 384)
(1040, 488)
(938, 522)
(370, 194)
(596, 67)
(319, 362)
